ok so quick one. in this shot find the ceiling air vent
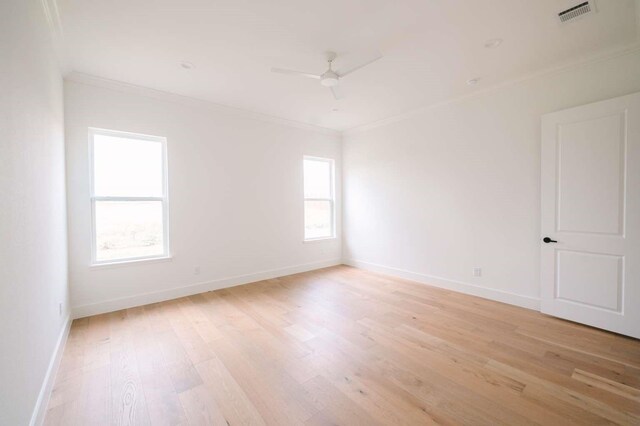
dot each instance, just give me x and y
(577, 11)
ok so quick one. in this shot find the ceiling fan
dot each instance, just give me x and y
(329, 78)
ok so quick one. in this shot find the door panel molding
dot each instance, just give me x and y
(598, 303)
(620, 159)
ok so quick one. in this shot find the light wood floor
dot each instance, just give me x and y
(342, 346)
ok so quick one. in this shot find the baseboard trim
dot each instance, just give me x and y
(176, 292)
(459, 286)
(40, 409)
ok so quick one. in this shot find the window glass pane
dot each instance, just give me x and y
(127, 167)
(317, 219)
(126, 229)
(317, 179)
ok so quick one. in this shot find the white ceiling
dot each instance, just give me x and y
(430, 47)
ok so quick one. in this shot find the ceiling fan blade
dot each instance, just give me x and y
(292, 72)
(337, 93)
(345, 73)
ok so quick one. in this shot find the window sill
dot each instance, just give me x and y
(313, 240)
(133, 262)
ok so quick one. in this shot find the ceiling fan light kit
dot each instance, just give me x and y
(329, 79)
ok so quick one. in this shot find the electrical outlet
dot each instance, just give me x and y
(60, 309)
(477, 272)
(196, 270)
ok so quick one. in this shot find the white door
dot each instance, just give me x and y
(590, 271)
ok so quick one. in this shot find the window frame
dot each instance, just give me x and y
(332, 198)
(164, 199)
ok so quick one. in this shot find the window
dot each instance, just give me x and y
(129, 202)
(319, 221)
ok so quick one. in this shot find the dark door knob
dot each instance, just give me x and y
(548, 240)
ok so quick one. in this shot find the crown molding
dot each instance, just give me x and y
(557, 69)
(91, 80)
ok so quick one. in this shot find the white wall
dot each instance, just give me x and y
(33, 248)
(235, 190)
(457, 186)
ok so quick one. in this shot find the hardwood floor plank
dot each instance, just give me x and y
(336, 408)
(201, 407)
(128, 403)
(606, 384)
(95, 403)
(236, 406)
